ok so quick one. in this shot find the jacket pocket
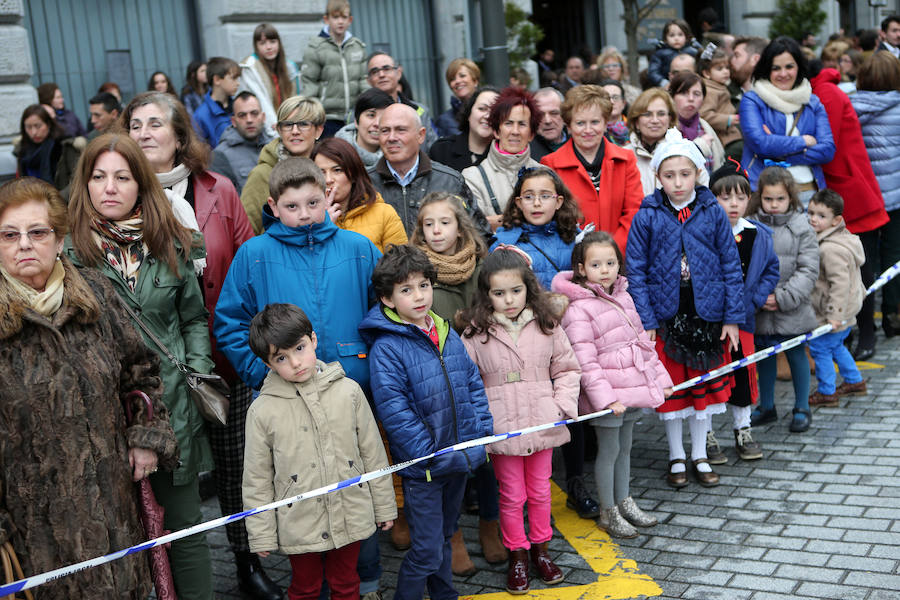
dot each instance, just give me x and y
(348, 349)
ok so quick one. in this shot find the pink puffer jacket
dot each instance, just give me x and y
(528, 383)
(618, 360)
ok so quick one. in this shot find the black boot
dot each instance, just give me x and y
(252, 580)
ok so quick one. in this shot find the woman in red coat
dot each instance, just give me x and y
(850, 174)
(160, 124)
(603, 177)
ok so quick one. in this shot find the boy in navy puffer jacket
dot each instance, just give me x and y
(428, 395)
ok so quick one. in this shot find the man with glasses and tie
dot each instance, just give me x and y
(384, 73)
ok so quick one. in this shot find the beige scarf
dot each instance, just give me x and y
(46, 302)
(786, 101)
(453, 269)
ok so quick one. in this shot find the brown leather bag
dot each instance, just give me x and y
(12, 570)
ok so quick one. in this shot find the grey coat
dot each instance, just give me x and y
(348, 134)
(798, 264)
(235, 156)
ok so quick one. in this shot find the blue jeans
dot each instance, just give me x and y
(369, 565)
(432, 509)
(830, 347)
(767, 370)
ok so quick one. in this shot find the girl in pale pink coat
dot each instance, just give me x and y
(620, 371)
(531, 377)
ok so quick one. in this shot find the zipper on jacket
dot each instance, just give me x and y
(346, 80)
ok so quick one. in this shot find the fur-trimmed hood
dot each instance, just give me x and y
(79, 302)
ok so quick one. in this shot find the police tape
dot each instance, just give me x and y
(36, 580)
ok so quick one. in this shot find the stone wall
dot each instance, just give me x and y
(15, 70)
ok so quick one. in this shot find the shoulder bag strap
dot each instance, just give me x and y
(796, 120)
(490, 190)
(178, 364)
(524, 237)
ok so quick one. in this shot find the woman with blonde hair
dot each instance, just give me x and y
(300, 123)
(614, 66)
(651, 115)
(268, 73)
(122, 225)
(463, 77)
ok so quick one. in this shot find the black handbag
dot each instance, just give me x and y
(210, 392)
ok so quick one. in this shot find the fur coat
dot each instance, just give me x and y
(66, 483)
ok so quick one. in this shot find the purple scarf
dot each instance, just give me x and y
(690, 128)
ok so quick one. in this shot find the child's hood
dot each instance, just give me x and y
(842, 237)
(382, 320)
(562, 283)
(326, 375)
(794, 220)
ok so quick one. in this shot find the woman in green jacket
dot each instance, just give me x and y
(123, 225)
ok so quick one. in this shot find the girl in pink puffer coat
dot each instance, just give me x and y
(531, 377)
(620, 370)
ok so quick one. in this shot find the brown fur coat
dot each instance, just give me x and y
(66, 482)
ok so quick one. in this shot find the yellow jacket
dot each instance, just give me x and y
(377, 221)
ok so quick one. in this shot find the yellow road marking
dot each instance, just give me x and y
(867, 366)
(617, 578)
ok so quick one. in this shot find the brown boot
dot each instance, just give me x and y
(547, 570)
(489, 536)
(460, 562)
(517, 575)
(400, 532)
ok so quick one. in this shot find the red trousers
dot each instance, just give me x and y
(337, 567)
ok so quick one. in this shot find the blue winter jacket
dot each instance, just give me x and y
(661, 60)
(776, 146)
(879, 118)
(210, 120)
(425, 398)
(762, 275)
(325, 270)
(529, 238)
(653, 261)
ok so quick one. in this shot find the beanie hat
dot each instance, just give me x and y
(675, 145)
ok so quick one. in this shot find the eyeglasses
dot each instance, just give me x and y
(611, 67)
(385, 69)
(545, 198)
(36, 235)
(615, 98)
(300, 125)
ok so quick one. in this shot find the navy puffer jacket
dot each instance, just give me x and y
(653, 261)
(426, 399)
(549, 253)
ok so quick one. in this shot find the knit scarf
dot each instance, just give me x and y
(514, 328)
(619, 132)
(122, 243)
(36, 162)
(690, 128)
(46, 302)
(175, 185)
(786, 101)
(453, 269)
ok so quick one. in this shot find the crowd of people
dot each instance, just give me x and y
(374, 285)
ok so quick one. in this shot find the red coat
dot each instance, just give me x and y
(849, 173)
(225, 227)
(620, 187)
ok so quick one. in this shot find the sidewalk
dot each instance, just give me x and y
(817, 517)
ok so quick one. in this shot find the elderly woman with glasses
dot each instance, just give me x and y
(68, 358)
(301, 121)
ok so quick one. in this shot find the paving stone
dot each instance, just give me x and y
(859, 523)
(701, 592)
(863, 563)
(829, 590)
(735, 551)
(845, 547)
(874, 580)
(808, 573)
(775, 541)
(815, 559)
(747, 567)
(755, 582)
(882, 551)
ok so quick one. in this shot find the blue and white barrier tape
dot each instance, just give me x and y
(36, 580)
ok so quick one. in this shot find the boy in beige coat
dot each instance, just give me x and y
(837, 297)
(311, 426)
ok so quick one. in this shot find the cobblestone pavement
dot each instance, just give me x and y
(817, 517)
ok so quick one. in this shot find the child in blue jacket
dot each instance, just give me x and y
(684, 274)
(302, 258)
(759, 265)
(428, 395)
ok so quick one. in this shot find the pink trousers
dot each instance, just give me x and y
(521, 479)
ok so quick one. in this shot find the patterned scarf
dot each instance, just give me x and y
(122, 243)
(453, 269)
